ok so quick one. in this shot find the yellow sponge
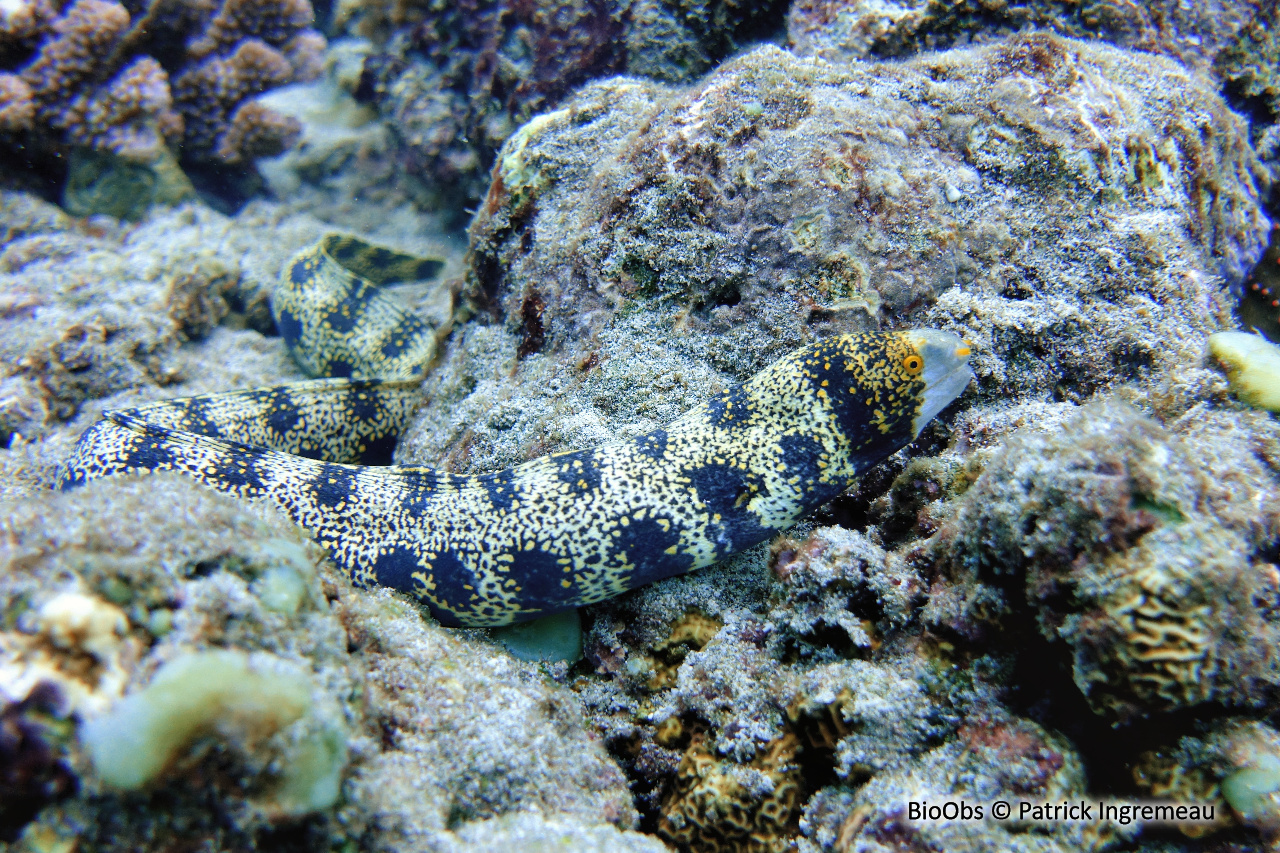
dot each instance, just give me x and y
(1253, 367)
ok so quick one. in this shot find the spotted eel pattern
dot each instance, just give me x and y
(337, 322)
(564, 530)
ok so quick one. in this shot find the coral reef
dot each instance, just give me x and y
(1110, 530)
(881, 662)
(785, 195)
(130, 81)
(456, 80)
(874, 663)
(94, 307)
(82, 344)
(443, 732)
(1064, 588)
(1201, 34)
(770, 736)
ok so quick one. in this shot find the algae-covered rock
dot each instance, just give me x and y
(491, 736)
(530, 832)
(1197, 34)
(454, 81)
(992, 758)
(1135, 546)
(1046, 191)
(1232, 42)
(93, 308)
(342, 705)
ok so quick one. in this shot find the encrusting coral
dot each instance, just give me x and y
(1136, 546)
(131, 80)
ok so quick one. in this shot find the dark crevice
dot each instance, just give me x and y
(1042, 689)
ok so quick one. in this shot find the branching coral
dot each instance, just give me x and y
(208, 93)
(17, 108)
(180, 72)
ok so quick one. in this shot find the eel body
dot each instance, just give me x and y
(337, 321)
(567, 529)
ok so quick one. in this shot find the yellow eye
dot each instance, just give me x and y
(913, 364)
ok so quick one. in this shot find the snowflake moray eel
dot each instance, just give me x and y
(554, 533)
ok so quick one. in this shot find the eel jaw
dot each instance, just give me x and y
(946, 372)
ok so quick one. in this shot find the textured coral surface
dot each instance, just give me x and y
(1065, 588)
(455, 80)
(131, 79)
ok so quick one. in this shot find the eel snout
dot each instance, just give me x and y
(946, 371)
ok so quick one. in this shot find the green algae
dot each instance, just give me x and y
(1250, 790)
(224, 693)
(551, 638)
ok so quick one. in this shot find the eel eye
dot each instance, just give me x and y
(913, 364)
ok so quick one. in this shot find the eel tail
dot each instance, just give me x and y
(343, 506)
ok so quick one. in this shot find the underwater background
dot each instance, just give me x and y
(1064, 590)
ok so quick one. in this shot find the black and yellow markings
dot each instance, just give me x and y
(337, 321)
(555, 533)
